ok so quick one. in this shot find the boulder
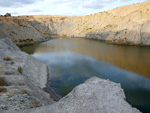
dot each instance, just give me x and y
(94, 96)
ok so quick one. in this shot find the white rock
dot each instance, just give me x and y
(94, 96)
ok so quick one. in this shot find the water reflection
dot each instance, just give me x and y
(133, 58)
(30, 49)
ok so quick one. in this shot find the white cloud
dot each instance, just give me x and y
(60, 7)
(14, 3)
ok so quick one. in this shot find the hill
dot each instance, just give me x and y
(124, 25)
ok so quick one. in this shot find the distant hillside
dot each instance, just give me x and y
(125, 25)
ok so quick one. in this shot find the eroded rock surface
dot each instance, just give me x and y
(94, 96)
(22, 79)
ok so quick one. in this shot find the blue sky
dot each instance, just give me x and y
(60, 7)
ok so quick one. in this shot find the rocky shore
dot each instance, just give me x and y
(24, 80)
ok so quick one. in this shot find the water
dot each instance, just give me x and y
(72, 61)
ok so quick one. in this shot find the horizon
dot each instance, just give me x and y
(61, 7)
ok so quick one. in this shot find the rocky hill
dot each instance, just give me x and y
(125, 25)
(22, 79)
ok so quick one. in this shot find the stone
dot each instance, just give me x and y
(94, 96)
(3, 107)
(24, 86)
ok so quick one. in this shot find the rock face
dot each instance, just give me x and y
(19, 30)
(124, 25)
(22, 79)
(94, 96)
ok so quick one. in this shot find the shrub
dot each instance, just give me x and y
(35, 103)
(7, 58)
(19, 69)
(24, 91)
(12, 63)
(3, 81)
(7, 14)
(2, 90)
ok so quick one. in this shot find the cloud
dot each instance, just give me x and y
(96, 4)
(35, 10)
(16, 3)
(60, 7)
(125, 0)
(93, 4)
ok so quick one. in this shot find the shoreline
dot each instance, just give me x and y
(108, 42)
(49, 90)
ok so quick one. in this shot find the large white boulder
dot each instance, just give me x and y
(94, 96)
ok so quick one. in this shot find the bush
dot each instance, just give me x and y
(24, 91)
(12, 63)
(3, 81)
(7, 58)
(19, 69)
(7, 14)
(35, 103)
(2, 90)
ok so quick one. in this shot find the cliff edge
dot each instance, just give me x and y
(22, 79)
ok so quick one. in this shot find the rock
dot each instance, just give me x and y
(22, 86)
(94, 96)
(37, 74)
(7, 44)
(3, 107)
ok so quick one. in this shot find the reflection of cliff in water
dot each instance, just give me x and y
(30, 49)
(132, 58)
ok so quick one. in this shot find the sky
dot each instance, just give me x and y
(60, 7)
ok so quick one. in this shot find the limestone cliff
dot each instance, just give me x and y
(125, 25)
(22, 79)
(19, 30)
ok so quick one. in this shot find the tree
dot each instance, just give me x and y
(7, 14)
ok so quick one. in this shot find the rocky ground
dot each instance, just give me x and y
(20, 87)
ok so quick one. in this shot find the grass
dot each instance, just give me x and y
(35, 103)
(3, 81)
(24, 91)
(12, 63)
(3, 90)
(7, 58)
(14, 92)
(26, 40)
(19, 69)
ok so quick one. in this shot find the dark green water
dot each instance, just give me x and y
(72, 61)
